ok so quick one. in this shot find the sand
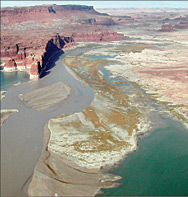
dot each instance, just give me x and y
(22, 132)
(6, 113)
(46, 97)
(60, 176)
(2, 94)
(88, 143)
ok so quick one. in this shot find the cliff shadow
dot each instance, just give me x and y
(50, 64)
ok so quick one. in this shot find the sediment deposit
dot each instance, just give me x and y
(46, 97)
(93, 140)
(85, 144)
(2, 94)
(57, 175)
(6, 113)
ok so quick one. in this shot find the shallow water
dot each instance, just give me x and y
(158, 167)
(8, 79)
(22, 133)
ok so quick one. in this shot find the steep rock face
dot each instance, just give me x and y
(23, 59)
(34, 72)
(45, 13)
(96, 36)
(26, 33)
(10, 65)
(54, 45)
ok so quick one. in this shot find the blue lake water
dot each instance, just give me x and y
(160, 165)
(10, 78)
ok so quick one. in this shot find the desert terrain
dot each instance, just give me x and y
(132, 59)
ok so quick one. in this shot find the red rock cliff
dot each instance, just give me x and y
(26, 31)
(31, 58)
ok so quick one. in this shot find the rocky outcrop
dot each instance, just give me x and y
(96, 36)
(182, 25)
(10, 65)
(35, 71)
(180, 22)
(166, 28)
(26, 41)
(23, 59)
(46, 13)
(54, 45)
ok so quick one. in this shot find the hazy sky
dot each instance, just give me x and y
(103, 4)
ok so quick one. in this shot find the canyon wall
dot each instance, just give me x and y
(33, 58)
(180, 22)
(27, 33)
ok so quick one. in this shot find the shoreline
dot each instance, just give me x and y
(102, 169)
(28, 70)
(57, 158)
(113, 164)
(140, 122)
(47, 166)
(23, 160)
(167, 104)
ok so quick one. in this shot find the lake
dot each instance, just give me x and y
(10, 78)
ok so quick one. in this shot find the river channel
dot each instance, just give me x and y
(22, 133)
(158, 167)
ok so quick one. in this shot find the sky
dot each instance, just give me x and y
(103, 4)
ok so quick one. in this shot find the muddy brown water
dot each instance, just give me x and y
(22, 136)
(22, 133)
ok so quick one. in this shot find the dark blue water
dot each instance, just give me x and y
(10, 78)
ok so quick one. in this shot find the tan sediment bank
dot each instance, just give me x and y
(108, 127)
(2, 94)
(57, 175)
(93, 140)
(96, 137)
(28, 124)
(6, 113)
(46, 97)
(83, 146)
